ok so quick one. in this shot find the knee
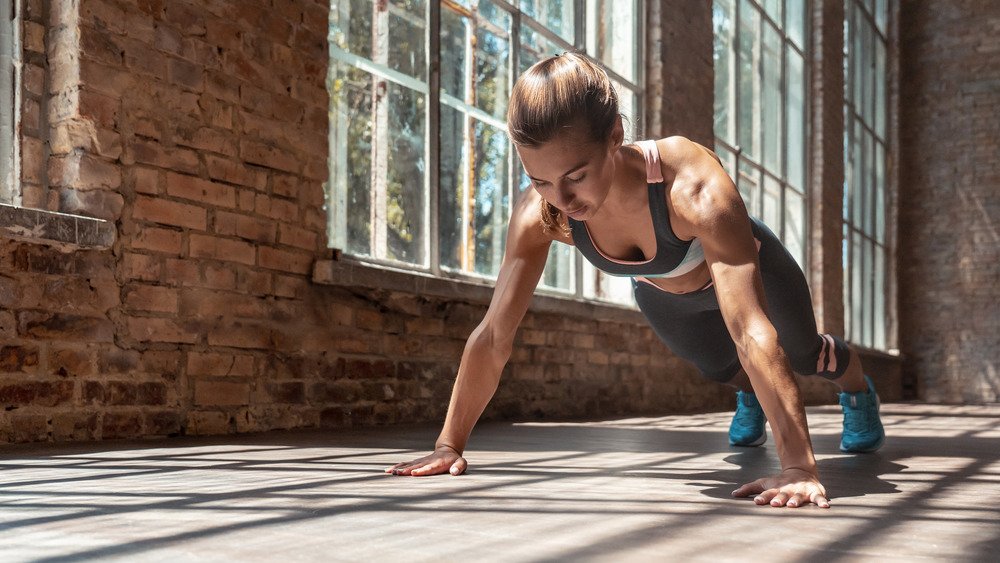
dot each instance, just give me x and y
(828, 357)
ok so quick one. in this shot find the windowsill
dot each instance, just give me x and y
(57, 229)
(348, 271)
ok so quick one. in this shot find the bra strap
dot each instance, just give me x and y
(654, 174)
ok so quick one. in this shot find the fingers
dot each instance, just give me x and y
(749, 489)
(459, 466)
(796, 500)
(432, 468)
(820, 500)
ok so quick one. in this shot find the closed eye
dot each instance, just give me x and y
(581, 177)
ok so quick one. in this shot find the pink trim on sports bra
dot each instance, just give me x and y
(654, 173)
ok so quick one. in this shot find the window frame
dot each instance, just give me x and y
(434, 97)
(10, 65)
(756, 164)
(853, 116)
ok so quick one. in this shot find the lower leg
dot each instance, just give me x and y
(853, 379)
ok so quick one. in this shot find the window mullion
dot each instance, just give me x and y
(433, 139)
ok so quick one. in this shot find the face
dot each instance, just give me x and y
(573, 175)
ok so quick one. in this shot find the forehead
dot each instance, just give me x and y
(556, 156)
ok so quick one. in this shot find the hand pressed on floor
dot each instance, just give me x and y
(792, 488)
(441, 460)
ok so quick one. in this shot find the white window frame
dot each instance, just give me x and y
(10, 102)
(337, 207)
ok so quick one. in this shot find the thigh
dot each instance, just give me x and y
(692, 326)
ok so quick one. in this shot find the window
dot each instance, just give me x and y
(421, 172)
(760, 111)
(9, 55)
(865, 123)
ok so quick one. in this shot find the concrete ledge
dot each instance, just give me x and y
(355, 273)
(53, 228)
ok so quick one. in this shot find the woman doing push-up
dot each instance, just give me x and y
(715, 284)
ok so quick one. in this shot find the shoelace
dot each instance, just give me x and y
(856, 417)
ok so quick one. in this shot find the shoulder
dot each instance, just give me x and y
(526, 227)
(701, 193)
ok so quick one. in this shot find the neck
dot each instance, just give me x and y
(623, 199)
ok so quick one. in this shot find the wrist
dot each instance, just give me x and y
(442, 445)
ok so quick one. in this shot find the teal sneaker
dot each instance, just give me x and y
(863, 430)
(747, 427)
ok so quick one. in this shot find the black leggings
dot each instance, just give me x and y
(691, 325)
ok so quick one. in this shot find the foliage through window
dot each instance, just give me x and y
(397, 198)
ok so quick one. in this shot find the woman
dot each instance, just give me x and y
(715, 284)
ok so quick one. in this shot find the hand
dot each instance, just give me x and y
(443, 459)
(792, 487)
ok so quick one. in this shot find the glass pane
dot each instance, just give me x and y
(773, 9)
(351, 27)
(558, 273)
(406, 42)
(795, 22)
(349, 202)
(866, 291)
(611, 34)
(880, 297)
(556, 15)
(857, 278)
(749, 186)
(454, 38)
(869, 72)
(772, 204)
(880, 78)
(749, 81)
(796, 111)
(858, 182)
(771, 98)
(857, 60)
(491, 198)
(405, 175)
(848, 274)
(848, 56)
(795, 228)
(868, 219)
(598, 285)
(728, 161)
(722, 25)
(492, 62)
(453, 195)
(535, 47)
(881, 15)
(880, 189)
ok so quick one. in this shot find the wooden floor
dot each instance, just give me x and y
(630, 489)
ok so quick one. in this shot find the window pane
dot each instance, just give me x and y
(349, 201)
(598, 285)
(454, 38)
(796, 121)
(773, 9)
(627, 106)
(771, 97)
(453, 195)
(880, 78)
(728, 161)
(749, 81)
(749, 185)
(722, 24)
(880, 292)
(858, 182)
(866, 291)
(351, 27)
(405, 176)
(492, 60)
(611, 34)
(556, 15)
(491, 199)
(535, 47)
(558, 273)
(857, 327)
(881, 14)
(406, 39)
(867, 217)
(795, 21)
(772, 204)
(880, 188)
(795, 227)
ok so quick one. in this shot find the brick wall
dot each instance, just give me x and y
(199, 129)
(949, 262)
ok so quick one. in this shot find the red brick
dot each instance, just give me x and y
(160, 330)
(18, 359)
(217, 248)
(158, 240)
(202, 191)
(209, 363)
(152, 298)
(285, 261)
(170, 213)
(221, 393)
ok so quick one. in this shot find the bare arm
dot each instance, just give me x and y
(712, 209)
(490, 344)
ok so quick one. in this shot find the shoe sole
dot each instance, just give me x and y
(754, 444)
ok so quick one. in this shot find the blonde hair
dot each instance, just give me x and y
(559, 93)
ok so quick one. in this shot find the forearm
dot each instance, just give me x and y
(478, 376)
(778, 393)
